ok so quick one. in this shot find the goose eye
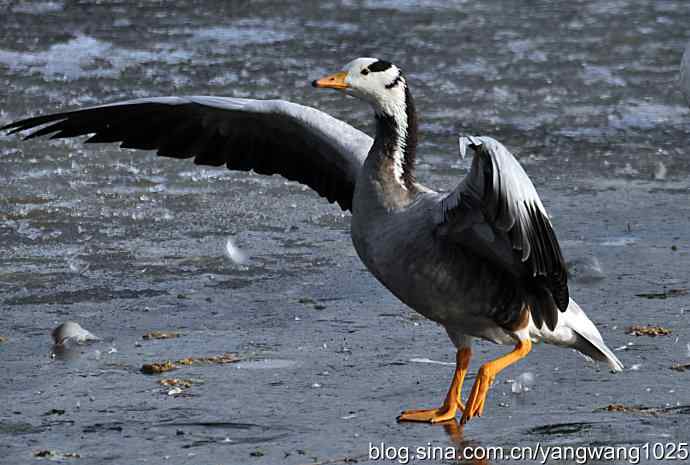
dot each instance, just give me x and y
(365, 71)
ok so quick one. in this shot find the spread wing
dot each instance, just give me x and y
(267, 136)
(496, 213)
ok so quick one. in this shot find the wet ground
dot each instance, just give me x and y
(584, 92)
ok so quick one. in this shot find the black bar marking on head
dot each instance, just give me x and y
(379, 66)
(395, 82)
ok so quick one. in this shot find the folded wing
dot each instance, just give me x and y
(267, 136)
(496, 213)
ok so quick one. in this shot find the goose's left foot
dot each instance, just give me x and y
(452, 403)
(432, 415)
(487, 374)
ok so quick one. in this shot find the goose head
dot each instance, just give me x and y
(375, 81)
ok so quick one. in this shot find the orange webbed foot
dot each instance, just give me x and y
(487, 374)
(452, 403)
(432, 415)
(477, 399)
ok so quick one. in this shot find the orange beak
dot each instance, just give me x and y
(333, 81)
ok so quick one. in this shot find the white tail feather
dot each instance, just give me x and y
(576, 330)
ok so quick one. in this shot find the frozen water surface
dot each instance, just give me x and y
(586, 93)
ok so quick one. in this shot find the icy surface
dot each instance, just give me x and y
(585, 93)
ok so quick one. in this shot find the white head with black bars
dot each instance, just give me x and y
(382, 85)
(376, 81)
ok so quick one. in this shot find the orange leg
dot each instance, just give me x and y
(487, 374)
(450, 406)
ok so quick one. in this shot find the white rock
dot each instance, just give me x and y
(523, 383)
(71, 331)
(234, 253)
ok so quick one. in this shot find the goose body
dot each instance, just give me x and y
(482, 260)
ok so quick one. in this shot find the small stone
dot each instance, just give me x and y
(175, 391)
(680, 367)
(54, 411)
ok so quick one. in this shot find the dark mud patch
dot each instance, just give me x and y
(563, 429)
(663, 295)
(10, 427)
(104, 427)
(198, 434)
(237, 283)
(96, 294)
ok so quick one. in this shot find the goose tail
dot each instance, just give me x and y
(576, 330)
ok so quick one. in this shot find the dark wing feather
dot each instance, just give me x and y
(496, 212)
(267, 136)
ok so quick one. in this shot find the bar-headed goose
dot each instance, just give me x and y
(482, 260)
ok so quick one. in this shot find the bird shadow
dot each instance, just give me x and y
(466, 451)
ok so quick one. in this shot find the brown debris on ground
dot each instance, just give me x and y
(213, 360)
(627, 409)
(169, 365)
(176, 386)
(3, 339)
(160, 335)
(653, 331)
(176, 382)
(620, 408)
(158, 367)
(639, 409)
